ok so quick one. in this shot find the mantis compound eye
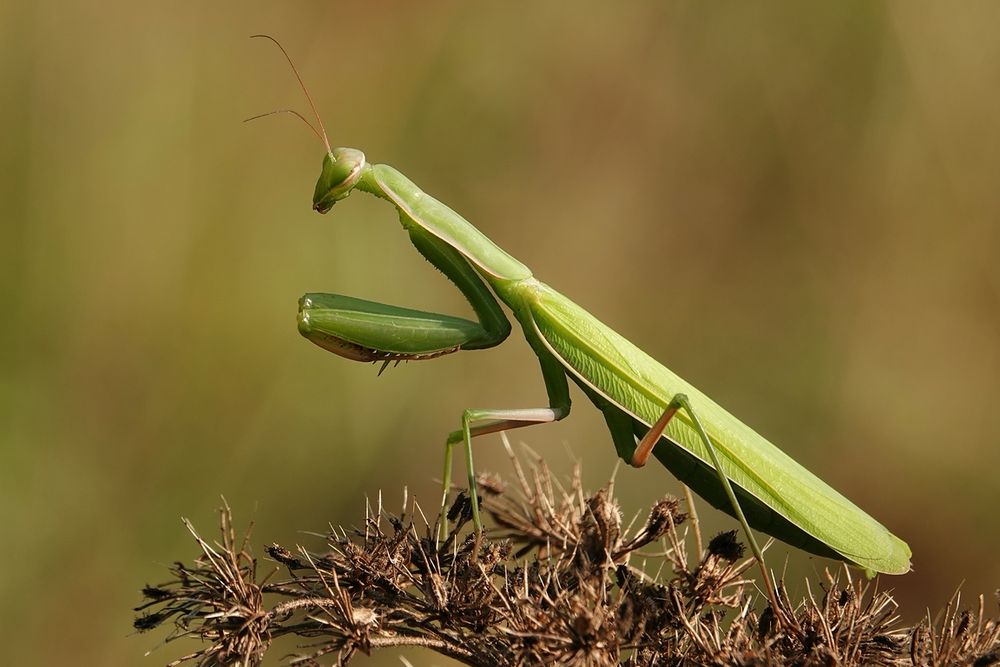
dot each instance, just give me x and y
(342, 168)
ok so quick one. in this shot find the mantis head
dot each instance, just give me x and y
(342, 169)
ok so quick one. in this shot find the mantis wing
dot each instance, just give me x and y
(810, 514)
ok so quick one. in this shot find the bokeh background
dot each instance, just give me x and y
(793, 205)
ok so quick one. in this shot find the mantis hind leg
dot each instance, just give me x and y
(624, 429)
(645, 448)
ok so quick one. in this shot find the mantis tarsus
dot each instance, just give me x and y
(648, 408)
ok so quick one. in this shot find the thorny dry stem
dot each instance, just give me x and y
(559, 581)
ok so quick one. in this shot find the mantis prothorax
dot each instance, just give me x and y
(647, 407)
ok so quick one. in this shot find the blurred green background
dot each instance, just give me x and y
(795, 206)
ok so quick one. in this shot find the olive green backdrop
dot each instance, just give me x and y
(795, 207)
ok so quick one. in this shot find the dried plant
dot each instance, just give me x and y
(559, 580)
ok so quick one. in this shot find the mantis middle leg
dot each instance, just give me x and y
(497, 420)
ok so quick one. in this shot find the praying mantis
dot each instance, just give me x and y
(649, 410)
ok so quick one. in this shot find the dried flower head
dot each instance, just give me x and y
(555, 582)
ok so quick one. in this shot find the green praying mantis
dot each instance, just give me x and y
(649, 410)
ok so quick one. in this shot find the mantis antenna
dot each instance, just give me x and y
(291, 111)
(321, 132)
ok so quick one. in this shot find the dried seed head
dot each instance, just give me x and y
(461, 509)
(283, 556)
(156, 593)
(600, 528)
(392, 583)
(664, 515)
(491, 484)
(148, 621)
(726, 546)
(765, 624)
